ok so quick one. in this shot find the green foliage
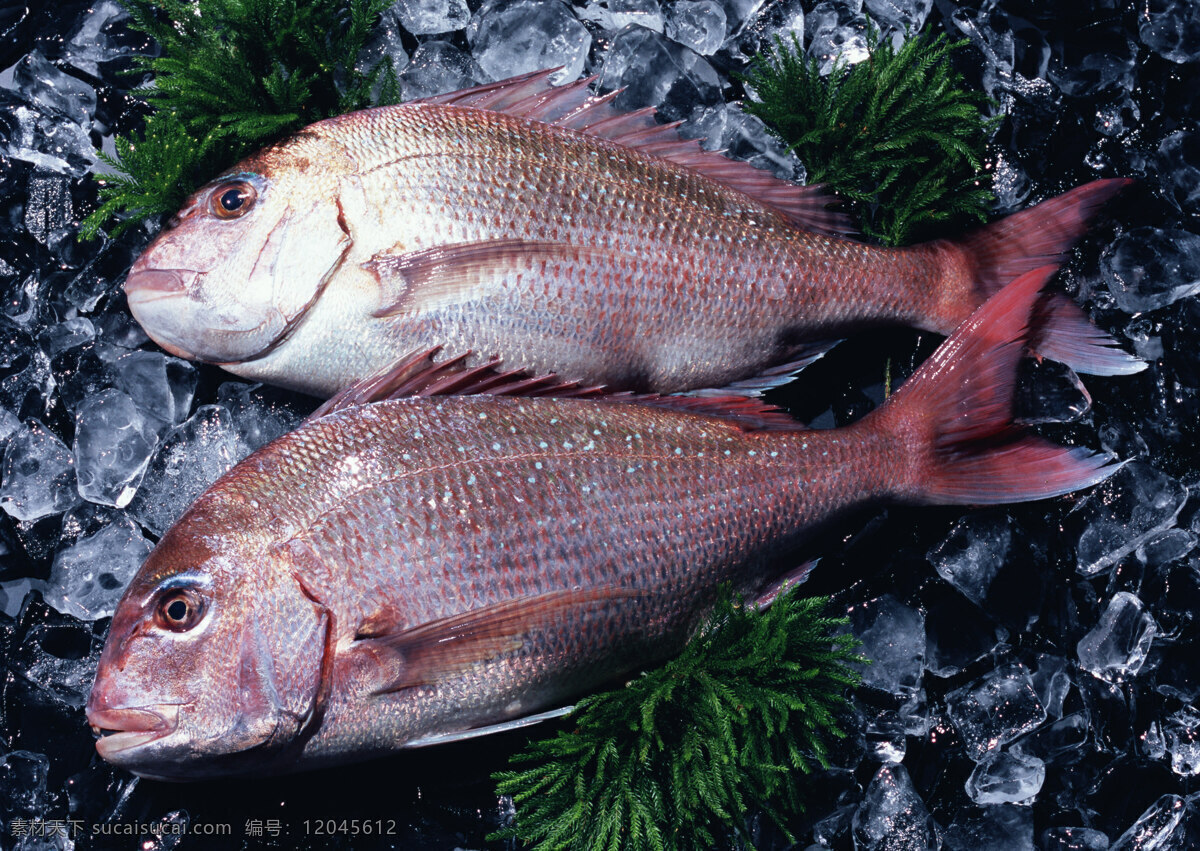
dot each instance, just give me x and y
(233, 76)
(896, 132)
(685, 752)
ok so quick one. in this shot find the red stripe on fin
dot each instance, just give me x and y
(417, 374)
(574, 107)
(955, 413)
(1032, 238)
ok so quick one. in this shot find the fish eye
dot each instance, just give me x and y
(233, 198)
(179, 610)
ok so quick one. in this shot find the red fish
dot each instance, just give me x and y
(543, 227)
(401, 572)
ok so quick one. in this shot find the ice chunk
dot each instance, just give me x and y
(655, 71)
(193, 456)
(697, 24)
(885, 735)
(995, 709)
(385, 44)
(259, 414)
(89, 576)
(1050, 392)
(1166, 547)
(67, 335)
(113, 446)
(38, 476)
(893, 638)
(48, 209)
(1178, 166)
(1116, 648)
(1159, 828)
(613, 15)
(899, 15)
(1171, 28)
(92, 44)
(55, 92)
(955, 635)
(427, 17)
(56, 657)
(510, 38)
(1001, 827)
(1128, 509)
(8, 424)
(1052, 682)
(23, 791)
(162, 387)
(1094, 73)
(892, 815)
(1002, 777)
(1073, 839)
(1148, 268)
(779, 21)
(1181, 737)
(1055, 741)
(438, 67)
(839, 34)
(973, 553)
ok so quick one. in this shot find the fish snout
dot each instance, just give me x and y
(124, 728)
(150, 284)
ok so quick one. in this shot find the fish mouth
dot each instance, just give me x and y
(122, 730)
(152, 284)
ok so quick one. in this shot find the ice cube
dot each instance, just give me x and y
(429, 17)
(899, 15)
(971, 555)
(66, 335)
(995, 709)
(1126, 510)
(838, 31)
(23, 791)
(698, 24)
(1181, 737)
(1166, 547)
(1052, 682)
(192, 456)
(744, 137)
(162, 387)
(113, 446)
(510, 38)
(386, 43)
(893, 639)
(892, 815)
(1148, 268)
(1116, 648)
(437, 67)
(92, 46)
(1002, 777)
(1094, 73)
(1062, 741)
(55, 92)
(89, 576)
(655, 71)
(1073, 839)
(885, 735)
(1001, 827)
(1171, 28)
(48, 208)
(1049, 392)
(613, 15)
(38, 474)
(778, 21)
(1177, 164)
(259, 414)
(1159, 828)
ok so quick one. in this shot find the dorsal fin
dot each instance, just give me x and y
(574, 107)
(418, 374)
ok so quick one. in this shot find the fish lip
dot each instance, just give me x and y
(153, 284)
(125, 728)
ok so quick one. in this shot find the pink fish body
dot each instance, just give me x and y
(541, 226)
(405, 569)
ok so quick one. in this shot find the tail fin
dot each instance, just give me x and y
(956, 413)
(1033, 238)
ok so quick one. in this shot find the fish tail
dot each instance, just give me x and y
(994, 255)
(954, 416)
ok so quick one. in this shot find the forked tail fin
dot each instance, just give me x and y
(955, 415)
(1025, 241)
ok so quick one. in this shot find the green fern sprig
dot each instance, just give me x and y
(234, 75)
(685, 752)
(898, 132)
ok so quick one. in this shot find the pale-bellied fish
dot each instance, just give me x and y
(541, 226)
(405, 571)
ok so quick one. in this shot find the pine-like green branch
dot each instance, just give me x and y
(898, 132)
(681, 755)
(233, 76)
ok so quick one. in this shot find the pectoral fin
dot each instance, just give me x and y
(448, 647)
(451, 274)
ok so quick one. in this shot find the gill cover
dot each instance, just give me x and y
(238, 266)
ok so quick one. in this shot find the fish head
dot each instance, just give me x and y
(238, 267)
(212, 666)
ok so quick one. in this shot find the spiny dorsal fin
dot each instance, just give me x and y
(417, 374)
(574, 107)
